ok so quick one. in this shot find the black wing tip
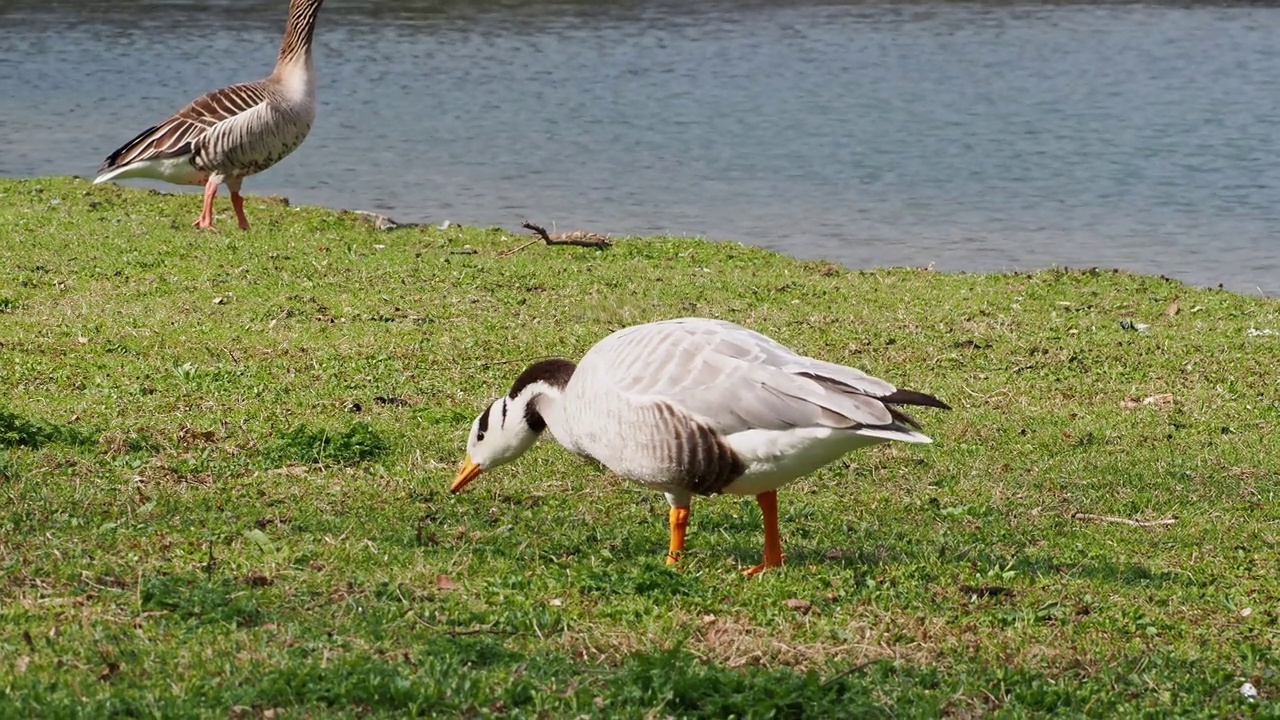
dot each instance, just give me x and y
(110, 163)
(911, 397)
(897, 397)
(113, 160)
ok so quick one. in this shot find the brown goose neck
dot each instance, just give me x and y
(298, 32)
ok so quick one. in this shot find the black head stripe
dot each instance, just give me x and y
(484, 420)
(554, 372)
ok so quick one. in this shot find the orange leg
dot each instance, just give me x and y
(206, 213)
(679, 523)
(237, 202)
(768, 502)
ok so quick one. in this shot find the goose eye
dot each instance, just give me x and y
(480, 436)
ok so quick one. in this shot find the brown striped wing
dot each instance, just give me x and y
(704, 463)
(176, 135)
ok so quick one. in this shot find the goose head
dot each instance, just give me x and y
(512, 423)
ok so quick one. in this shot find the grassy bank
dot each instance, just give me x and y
(224, 459)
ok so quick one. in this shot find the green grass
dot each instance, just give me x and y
(224, 460)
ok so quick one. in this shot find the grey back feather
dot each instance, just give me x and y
(734, 379)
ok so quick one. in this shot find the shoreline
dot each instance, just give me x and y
(384, 221)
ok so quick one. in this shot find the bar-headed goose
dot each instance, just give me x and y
(231, 133)
(695, 407)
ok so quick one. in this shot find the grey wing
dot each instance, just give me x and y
(737, 379)
(178, 134)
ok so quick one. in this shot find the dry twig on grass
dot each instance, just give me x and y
(512, 251)
(457, 632)
(477, 631)
(1255, 628)
(848, 671)
(1123, 521)
(380, 221)
(578, 237)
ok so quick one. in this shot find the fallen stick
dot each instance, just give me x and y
(380, 221)
(514, 250)
(476, 631)
(1255, 627)
(455, 632)
(1121, 520)
(848, 671)
(581, 239)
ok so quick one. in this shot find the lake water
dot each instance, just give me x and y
(974, 136)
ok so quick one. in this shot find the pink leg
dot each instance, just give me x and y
(237, 202)
(206, 213)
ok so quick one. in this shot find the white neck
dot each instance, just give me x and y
(296, 79)
(546, 400)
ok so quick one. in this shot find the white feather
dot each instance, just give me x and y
(177, 170)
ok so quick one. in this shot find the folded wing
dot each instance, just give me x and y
(177, 135)
(735, 379)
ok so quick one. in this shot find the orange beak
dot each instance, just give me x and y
(468, 472)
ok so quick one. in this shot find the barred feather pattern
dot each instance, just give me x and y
(253, 140)
(298, 32)
(654, 443)
(693, 457)
(178, 135)
(242, 129)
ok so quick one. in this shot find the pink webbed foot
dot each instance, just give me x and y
(237, 203)
(205, 221)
